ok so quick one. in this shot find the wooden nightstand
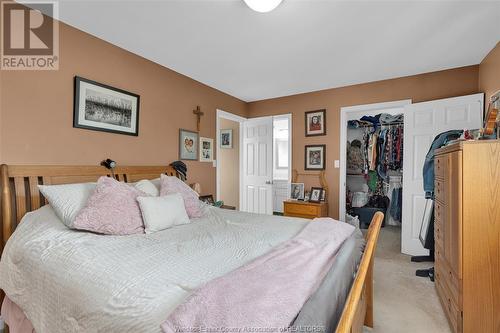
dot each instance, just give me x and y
(308, 210)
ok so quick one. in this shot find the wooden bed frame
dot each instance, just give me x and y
(20, 195)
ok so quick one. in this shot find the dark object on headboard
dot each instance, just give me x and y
(109, 164)
(181, 169)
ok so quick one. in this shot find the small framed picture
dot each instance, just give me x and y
(315, 123)
(323, 195)
(100, 107)
(188, 145)
(297, 191)
(226, 138)
(206, 149)
(316, 193)
(314, 157)
(208, 199)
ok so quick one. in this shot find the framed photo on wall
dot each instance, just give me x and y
(188, 145)
(314, 157)
(226, 138)
(206, 149)
(100, 107)
(315, 123)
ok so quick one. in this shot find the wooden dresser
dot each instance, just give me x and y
(308, 210)
(467, 233)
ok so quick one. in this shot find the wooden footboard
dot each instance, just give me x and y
(358, 310)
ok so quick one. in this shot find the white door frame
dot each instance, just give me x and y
(367, 109)
(240, 120)
(289, 117)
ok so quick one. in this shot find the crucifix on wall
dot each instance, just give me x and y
(198, 114)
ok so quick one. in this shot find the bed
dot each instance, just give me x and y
(255, 234)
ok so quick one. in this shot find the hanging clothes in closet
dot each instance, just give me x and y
(379, 156)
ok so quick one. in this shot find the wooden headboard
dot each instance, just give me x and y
(20, 193)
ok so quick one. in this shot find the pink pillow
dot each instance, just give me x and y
(112, 209)
(172, 185)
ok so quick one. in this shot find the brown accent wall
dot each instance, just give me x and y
(229, 161)
(449, 83)
(36, 110)
(489, 73)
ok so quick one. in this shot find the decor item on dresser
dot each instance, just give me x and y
(314, 157)
(297, 191)
(466, 229)
(226, 138)
(316, 194)
(188, 145)
(315, 123)
(491, 116)
(206, 149)
(208, 199)
(100, 107)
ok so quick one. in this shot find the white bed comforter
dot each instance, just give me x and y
(72, 281)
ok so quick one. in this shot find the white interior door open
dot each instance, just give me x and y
(257, 177)
(423, 122)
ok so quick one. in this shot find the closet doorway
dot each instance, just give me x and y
(422, 123)
(371, 162)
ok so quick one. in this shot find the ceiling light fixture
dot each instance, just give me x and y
(263, 6)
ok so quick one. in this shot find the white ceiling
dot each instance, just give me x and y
(302, 46)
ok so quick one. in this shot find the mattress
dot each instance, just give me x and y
(71, 281)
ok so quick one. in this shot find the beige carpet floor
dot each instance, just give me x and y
(403, 302)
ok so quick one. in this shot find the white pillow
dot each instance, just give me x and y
(147, 187)
(67, 200)
(160, 213)
(156, 182)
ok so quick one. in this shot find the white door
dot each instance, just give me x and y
(257, 193)
(423, 122)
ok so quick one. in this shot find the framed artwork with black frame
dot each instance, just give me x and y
(100, 107)
(314, 157)
(188, 145)
(315, 122)
(316, 194)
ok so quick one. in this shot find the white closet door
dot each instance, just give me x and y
(257, 191)
(423, 122)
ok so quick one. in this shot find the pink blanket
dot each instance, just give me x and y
(268, 293)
